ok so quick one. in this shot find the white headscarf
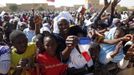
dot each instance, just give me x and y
(45, 27)
(63, 15)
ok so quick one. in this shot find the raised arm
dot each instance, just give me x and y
(114, 4)
(127, 37)
(106, 5)
(38, 23)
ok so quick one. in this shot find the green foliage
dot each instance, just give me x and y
(121, 9)
(40, 9)
(13, 7)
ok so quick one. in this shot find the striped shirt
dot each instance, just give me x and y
(4, 59)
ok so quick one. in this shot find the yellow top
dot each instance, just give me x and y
(15, 58)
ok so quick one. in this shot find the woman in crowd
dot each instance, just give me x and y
(49, 63)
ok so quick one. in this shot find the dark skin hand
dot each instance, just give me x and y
(130, 53)
(117, 49)
(115, 2)
(71, 42)
(22, 64)
(106, 3)
(38, 22)
(114, 41)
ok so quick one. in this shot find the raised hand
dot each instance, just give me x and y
(130, 53)
(37, 20)
(128, 37)
(71, 41)
(106, 3)
(23, 62)
(118, 47)
(115, 2)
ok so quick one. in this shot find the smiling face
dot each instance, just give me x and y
(39, 42)
(50, 45)
(120, 32)
(63, 26)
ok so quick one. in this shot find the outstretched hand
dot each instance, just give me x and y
(130, 52)
(118, 47)
(106, 3)
(71, 41)
(23, 62)
(115, 2)
(128, 37)
(37, 20)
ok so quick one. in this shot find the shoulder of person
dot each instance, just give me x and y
(4, 49)
(58, 37)
(31, 44)
(26, 29)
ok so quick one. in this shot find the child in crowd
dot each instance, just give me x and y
(22, 54)
(4, 55)
(48, 62)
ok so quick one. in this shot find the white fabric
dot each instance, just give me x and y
(4, 67)
(84, 47)
(88, 22)
(123, 63)
(2, 13)
(4, 57)
(29, 34)
(45, 27)
(129, 43)
(4, 63)
(64, 14)
(77, 60)
(115, 20)
(108, 57)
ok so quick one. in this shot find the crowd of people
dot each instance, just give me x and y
(67, 43)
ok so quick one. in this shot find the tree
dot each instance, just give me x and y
(40, 8)
(121, 9)
(13, 7)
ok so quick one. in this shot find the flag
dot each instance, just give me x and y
(84, 46)
(51, 0)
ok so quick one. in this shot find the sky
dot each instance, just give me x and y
(59, 3)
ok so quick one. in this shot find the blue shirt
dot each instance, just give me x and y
(29, 34)
(106, 48)
(4, 59)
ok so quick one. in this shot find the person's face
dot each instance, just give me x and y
(32, 25)
(20, 43)
(39, 44)
(50, 45)
(63, 26)
(118, 34)
(118, 23)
